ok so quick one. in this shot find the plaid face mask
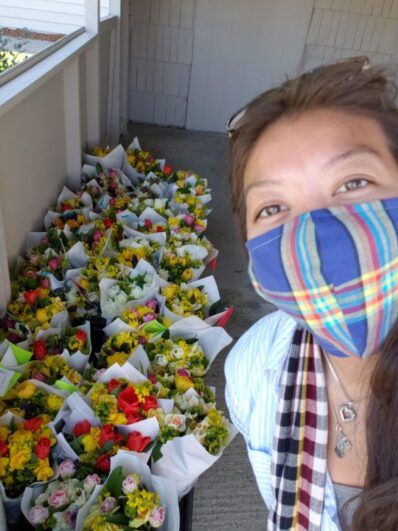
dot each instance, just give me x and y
(335, 271)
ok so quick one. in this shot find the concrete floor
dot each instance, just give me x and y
(226, 497)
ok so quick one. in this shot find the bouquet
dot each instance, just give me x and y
(94, 446)
(119, 347)
(57, 505)
(25, 449)
(32, 398)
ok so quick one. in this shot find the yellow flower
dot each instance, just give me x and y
(117, 357)
(173, 222)
(25, 390)
(90, 441)
(54, 402)
(4, 431)
(186, 275)
(19, 457)
(42, 315)
(21, 437)
(170, 291)
(4, 461)
(43, 470)
(84, 283)
(46, 419)
(117, 418)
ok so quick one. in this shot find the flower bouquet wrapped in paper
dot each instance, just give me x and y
(32, 398)
(130, 289)
(200, 297)
(37, 309)
(132, 498)
(26, 449)
(57, 504)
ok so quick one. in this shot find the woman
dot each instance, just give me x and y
(313, 387)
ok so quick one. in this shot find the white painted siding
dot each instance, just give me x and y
(346, 28)
(160, 60)
(240, 50)
(48, 16)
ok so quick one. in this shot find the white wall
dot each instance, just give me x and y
(342, 28)
(160, 60)
(32, 161)
(48, 16)
(241, 49)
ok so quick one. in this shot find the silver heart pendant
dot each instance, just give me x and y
(347, 413)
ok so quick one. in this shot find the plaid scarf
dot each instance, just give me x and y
(300, 442)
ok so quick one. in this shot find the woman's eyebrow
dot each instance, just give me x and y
(258, 184)
(357, 150)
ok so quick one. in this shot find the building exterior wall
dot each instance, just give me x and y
(194, 62)
(346, 28)
(161, 36)
(48, 16)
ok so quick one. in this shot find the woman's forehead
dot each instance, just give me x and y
(312, 139)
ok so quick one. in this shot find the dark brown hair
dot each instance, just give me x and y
(357, 87)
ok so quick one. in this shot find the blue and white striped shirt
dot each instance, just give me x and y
(253, 372)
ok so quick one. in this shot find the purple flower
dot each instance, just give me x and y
(189, 219)
(108, 505)
(152, 304)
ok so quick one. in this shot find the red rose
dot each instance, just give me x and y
(108, 434)
(108, 223)
(103, 463)
(81, 428)
(32, 424)
(31, 296)
(136, 442)
(166, 169)
(65, 207)
(148, 224)
(133, 417)
(150, 402)
(43, 447)
(127, 400)
(112, 385)
(81, 335)
(159, 228)
(3, 448)
(39, 349)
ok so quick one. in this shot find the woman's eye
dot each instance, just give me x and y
(353, 184)
(270, 210)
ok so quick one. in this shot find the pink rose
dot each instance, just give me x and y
(38, 514)
(199, 228)
(152, 304)
(91, 481)
(58, 499)
(149, 317)
(54, 263)
(156, 518)
(189, 219)
(97, 235)
(67, 469)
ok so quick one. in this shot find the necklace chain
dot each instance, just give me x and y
(347, 414)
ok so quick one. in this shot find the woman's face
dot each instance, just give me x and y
(319, 159)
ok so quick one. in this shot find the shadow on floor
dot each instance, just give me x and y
(226, 497)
